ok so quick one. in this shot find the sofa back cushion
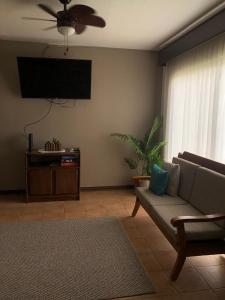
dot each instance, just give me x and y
(208, 193)
(203, 162)
(188, 172)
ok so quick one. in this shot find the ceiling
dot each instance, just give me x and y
(131, 24)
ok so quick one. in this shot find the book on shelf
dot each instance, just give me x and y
(68, 164)
(68, 161)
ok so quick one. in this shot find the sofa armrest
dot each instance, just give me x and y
(137, 179)
(178, 221)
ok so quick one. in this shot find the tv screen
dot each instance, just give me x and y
(54, 78)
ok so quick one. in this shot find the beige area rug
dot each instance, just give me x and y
(69, 259)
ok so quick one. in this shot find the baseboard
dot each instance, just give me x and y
(103, 188)
(91, 188)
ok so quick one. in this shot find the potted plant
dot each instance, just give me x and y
(147, 151)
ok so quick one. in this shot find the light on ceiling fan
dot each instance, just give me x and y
(66, 30)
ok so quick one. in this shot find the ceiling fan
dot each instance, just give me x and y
(71, 19)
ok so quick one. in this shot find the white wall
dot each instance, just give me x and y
(125, 98)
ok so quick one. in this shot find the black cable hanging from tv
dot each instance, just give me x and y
(39, 120)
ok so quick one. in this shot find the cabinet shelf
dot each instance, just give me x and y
(36, 166)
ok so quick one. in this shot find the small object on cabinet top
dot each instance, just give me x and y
(51, 151)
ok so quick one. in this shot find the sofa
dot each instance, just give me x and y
(193, 221)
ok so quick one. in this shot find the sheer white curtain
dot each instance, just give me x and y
(194, 102)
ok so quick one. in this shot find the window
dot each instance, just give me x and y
(194, 102)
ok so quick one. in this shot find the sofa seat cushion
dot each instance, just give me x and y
(147, 198)
(194, 231)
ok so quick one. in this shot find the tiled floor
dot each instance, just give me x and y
(201, 278)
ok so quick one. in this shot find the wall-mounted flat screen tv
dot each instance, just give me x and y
(50, 78)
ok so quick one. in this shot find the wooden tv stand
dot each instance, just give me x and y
(47, 179)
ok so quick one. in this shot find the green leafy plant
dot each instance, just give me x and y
(148, 151)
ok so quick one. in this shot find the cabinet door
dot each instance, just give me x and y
(40, 181)
(66, 181)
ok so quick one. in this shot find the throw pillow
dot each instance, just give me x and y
(174, 178)
(159, 180)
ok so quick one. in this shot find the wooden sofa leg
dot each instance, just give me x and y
(136, 207)
(178, 266)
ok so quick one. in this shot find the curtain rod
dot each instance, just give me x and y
(193, 25)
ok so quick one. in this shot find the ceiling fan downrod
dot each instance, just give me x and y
(65, 3)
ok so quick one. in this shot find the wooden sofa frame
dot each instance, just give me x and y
(184, 247)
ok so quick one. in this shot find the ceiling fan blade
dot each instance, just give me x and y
(92, 21)
(37, 19)
(80, 9)
(48, 10)
(49, 28)
(79, 28)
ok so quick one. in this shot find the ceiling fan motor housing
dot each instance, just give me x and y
(65, 25)
(64, 20)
